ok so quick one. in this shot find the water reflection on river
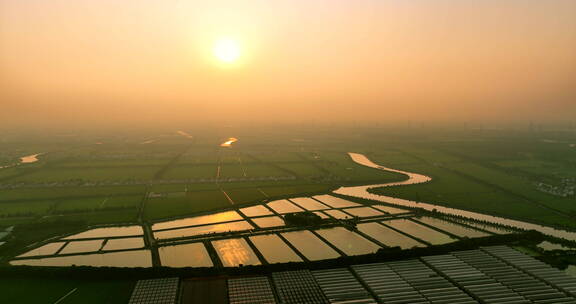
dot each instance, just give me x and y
(335, 202)
(126, 243)
(414, 178)
(229, 142)
(29, 159)
(82, 246)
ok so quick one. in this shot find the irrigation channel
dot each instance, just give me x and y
(252, 235)
(414, 178)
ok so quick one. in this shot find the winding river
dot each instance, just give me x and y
(414, 178)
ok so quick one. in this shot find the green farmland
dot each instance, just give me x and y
(127, 179)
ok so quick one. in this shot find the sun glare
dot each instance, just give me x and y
(227, 50)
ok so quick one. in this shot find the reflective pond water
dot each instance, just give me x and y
(233, 252)
(82, 246)
(388, 236)
(335, 202)
(186, 255)
(553, 246)
(284, 206)
(489, 228)
(363, 211)
(136, 258)
(455, 229)
(274, 249)
(338, 214)
(268, 221)
(192, 231)
(30, 158)
(309, 204)
(424, 233)
(347, 241)
(48, 249)
(199, 220)
(127, 243)
(108, 232)
(390, 210)
(257, 210)
(310, 245)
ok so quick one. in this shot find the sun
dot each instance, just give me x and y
(227, 50)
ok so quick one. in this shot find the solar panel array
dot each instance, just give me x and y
(155, 291)
(296, 287)
(250, 290)
(341, 287)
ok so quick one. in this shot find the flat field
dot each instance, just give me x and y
(127, 178)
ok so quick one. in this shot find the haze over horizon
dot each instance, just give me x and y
(150, 62)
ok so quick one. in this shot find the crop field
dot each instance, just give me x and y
(119, 179)
(87, 174)
(496, 175)
(31, 290)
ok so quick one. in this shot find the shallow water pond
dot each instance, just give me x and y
(363, 211)
(309, 204)
(135, 258)
(424, 233)
(198, 230)
(388, 236)
(199, 220)
(127, 243)
(108, 232)
(455, 229)
(258, 210)
(349, 242)
(268, 221)
(310, 245)
(274, 249)
(186, 255)
(233, 252)
(48, 249)
(335, 202)
(284, 206)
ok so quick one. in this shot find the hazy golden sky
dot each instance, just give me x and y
(332, 60)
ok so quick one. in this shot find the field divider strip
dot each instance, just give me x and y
(66, 295)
